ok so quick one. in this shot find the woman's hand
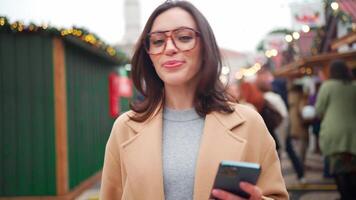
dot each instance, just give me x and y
(254, 191)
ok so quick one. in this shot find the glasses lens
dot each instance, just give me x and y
(156, 43)
(184, 39)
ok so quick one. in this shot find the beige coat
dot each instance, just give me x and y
(296, 103)
(133, 158)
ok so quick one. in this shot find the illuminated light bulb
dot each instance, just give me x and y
(309, 71)
(296, 35)
(353, 25)
(14, 25)
(305, 28)
(64, 32)
(223, 79)
(2, 21)
(256, 66)
(111, 51)
(268, 54)
(44, 26)
(128, 67)
(31, 27)
(274, 52)
(90, 38)
(288, 38)
(334, 5)
(225, 70)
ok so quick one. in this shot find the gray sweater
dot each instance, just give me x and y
(182, 131)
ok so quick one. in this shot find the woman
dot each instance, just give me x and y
(170, 145)
(270, 115)
(336, 105)
(297, 100)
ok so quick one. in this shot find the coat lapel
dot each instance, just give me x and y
(142, 157)
(218, 143)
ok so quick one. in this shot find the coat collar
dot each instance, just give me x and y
(142, 154)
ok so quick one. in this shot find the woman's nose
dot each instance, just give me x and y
(170, 47)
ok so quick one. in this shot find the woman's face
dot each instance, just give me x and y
(175, 67)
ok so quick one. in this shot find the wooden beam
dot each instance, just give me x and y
(60, 104)
(345, 40)
(321, 60)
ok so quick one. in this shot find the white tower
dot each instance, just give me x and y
(132, 22)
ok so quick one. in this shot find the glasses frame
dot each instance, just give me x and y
(146, 39)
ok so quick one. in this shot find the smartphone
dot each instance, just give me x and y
(231, 173)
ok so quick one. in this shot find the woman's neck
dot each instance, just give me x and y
(179, 98)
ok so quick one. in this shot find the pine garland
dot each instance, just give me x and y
(78, 33)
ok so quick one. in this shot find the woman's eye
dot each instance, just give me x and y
(185, 38)
(157, 42)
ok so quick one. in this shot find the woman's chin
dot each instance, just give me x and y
(175, 82)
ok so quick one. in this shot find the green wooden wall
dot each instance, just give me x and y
(27, 147)
(89, 122)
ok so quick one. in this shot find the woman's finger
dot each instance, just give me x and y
(254, 191)
(223, 195)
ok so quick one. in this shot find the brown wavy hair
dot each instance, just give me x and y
(210, 94)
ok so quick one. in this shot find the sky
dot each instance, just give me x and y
(238, 24)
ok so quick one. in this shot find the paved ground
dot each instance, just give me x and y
(316, 186)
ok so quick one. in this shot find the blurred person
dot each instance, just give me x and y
(336, 105)
(251, 94)
(266, 83)
(170, 145)
(353, 73)
(234, 91)
(297, 100)
(315, 124)
(279, 86)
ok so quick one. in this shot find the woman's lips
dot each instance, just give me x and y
(173, 63)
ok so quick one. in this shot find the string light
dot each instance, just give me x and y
(334, 5)
(309, 71)
(31, 27)
(271, 53)
(80, 34)
(14, 26)
(296, 35)
(225, 70)
(288, 38)
(246, 72)
(111, 51)
(305, 28)
(2, 21)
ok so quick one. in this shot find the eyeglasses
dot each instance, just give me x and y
(183, 38)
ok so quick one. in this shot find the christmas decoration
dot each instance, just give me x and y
(78, 33)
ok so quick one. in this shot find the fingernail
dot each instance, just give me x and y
(242, 184)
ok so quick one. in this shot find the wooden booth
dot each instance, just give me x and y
(313, 64)
(54, 110)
